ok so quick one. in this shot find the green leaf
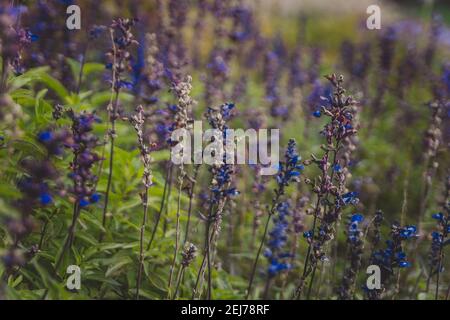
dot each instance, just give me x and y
(116, 268)
(55, 85)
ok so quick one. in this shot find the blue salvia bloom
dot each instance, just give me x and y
(272, 73)
(291, 168)
(243, 25)
(120, 57)
(320, 96)
(387, 46)
(392, 257)
(222, 173)
(340, 109)
(275, 252)
(297, 76)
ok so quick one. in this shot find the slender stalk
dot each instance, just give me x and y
(208, 258)
(166, 209)
(141, 242)
(80, 74)
(208, 240)
(267, 287)
(263, 241)
(299, 288)
(436, 294)
(316, 213)
(177, 234)
(161, 208)
(199, 274)
(112, 114)
(191, 197)
(179, 277)
(44, 229)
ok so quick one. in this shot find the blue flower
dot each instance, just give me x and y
(83, 203)
(95, 198)
(33, 37)
(317, 114)
(45, 136)
(125, 84)
(404, 264)
(277, 240)
(45, 198)
(307, 234)
(438, 216)
(350, 198)
(357, 217)
(408, 232)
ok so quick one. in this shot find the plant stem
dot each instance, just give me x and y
(177, 235)
(263, 240)
(141, 242)
(80, 75)
(161, 208)
(191, 197)
(112, 114)
(205, 255)
(267, 287)
(436, 295)
(179, 277)
(299, 288)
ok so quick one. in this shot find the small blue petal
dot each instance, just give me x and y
(83, 203)
(357, 217)
(45, 136)
(45, 198)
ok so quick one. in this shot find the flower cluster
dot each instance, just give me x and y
(440, 237)
(138, 120)
(189, 253)
(392, 256)
(290, 169)
(222, 172)
(298, 215)
(355, 243)
(376, 233)
(332, 181)
(278, 237)
(272, 72)
(14, 39)
(153, 70)
(221, 54)
(84, 143)
(182, 111)
(330, 188)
